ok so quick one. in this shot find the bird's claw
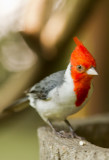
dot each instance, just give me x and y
(64, 134)
(74, 135)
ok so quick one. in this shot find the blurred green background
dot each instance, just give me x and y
(18, 136)
(32, 47)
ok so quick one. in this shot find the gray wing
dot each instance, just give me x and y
(41, 89)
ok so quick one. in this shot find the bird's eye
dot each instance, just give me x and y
(80, 68)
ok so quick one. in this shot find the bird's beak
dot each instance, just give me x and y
(92, 71)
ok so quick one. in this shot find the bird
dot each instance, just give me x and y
(65, 92)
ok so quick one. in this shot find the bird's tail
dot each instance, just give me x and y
(17, 106)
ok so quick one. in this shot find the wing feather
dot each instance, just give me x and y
(41, 89)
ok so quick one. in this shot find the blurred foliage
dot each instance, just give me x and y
(4, 74)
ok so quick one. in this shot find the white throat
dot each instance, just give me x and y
(67, 75)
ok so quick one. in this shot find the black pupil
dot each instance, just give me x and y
(79, 67)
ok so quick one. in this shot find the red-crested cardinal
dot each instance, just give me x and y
(65, 92)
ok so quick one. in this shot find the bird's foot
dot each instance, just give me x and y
(63, 134)
(74, 135)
